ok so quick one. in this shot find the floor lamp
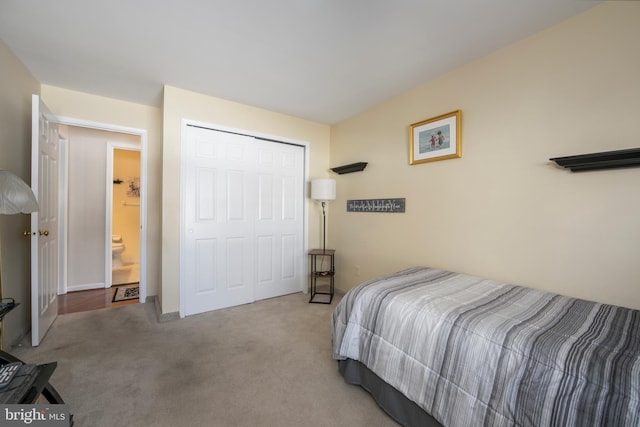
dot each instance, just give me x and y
(323, 190)
(15, 197)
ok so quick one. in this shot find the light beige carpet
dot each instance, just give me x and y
(262, 364)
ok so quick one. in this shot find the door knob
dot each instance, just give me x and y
(44, 233)
(27, 233)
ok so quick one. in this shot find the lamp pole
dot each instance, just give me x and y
(324, 229)
(323, 190)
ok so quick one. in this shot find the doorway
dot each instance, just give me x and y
(88, 186)
(123, 215)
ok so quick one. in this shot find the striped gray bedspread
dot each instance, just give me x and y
(474, 352)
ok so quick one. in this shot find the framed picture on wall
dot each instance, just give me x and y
(134, 187)
(438, 138)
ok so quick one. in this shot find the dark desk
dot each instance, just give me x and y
(41, 385)
(4, 310)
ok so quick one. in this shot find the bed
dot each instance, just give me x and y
(441, 348)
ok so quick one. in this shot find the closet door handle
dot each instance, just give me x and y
(44, 233)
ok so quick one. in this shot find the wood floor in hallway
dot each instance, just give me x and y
(92, 299)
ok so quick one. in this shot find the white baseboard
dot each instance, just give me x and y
(84, 287)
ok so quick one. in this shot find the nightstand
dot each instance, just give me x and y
(322, 263)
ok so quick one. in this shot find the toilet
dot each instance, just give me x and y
(116, 250)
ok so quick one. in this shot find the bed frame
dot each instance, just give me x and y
(402, 410)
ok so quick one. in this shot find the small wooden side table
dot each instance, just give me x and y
(322, 262)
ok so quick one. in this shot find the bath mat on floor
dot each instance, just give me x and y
(126, 292)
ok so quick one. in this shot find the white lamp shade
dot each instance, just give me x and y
(15, 195)
(323, 189)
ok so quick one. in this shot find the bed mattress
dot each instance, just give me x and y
(471, 351)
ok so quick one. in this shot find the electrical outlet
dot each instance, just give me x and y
(357, 270)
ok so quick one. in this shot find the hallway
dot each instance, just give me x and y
(93, 299)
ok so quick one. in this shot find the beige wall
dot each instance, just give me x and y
(78, 105)
(181, 104)
(503, 211)
(16, 87)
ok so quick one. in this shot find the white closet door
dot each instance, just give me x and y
(243, 220)
(279, 221)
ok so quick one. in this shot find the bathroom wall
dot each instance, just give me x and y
(126, 206)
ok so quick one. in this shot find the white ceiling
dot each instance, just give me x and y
(322, 60)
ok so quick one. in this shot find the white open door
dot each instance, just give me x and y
(44, 223)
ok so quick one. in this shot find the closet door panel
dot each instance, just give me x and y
(243, 223)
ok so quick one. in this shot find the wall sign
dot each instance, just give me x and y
(376, 205)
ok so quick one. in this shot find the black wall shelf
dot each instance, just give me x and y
(353, 167)
(605, 160)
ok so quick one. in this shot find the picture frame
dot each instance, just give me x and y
(438, 138)
(134, 187)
